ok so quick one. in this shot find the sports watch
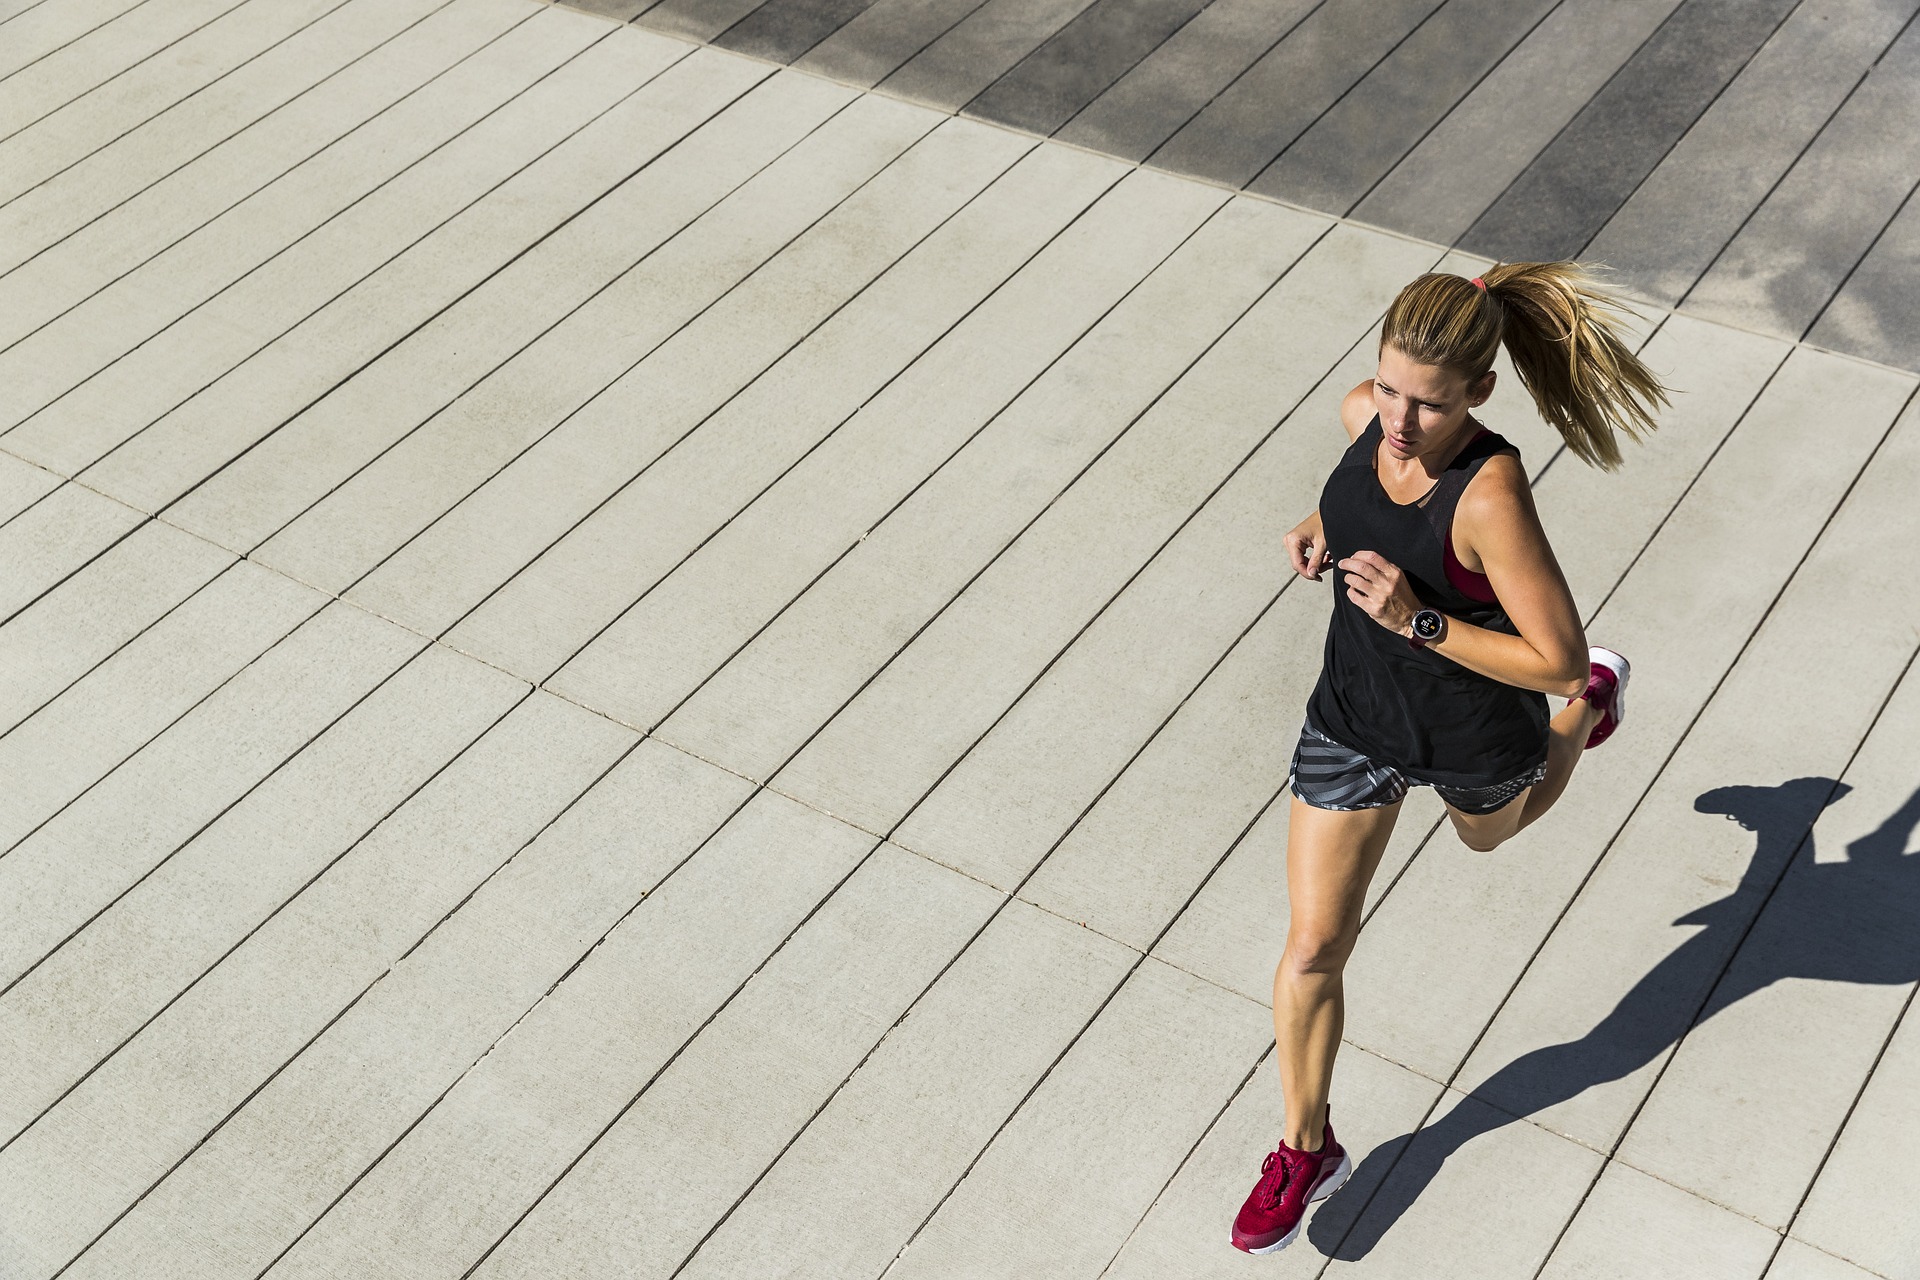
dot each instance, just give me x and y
(1427, 626)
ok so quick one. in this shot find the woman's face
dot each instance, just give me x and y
(1423, 407)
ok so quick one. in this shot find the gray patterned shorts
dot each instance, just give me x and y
(1329, 776)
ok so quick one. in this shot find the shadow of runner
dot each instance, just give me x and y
(1852, 921)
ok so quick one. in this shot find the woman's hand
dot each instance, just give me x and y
(1307, 548)
(1381, 590)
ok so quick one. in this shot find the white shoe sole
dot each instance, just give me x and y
(1330, 1182)
(1621, 669)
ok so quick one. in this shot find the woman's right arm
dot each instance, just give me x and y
(1307, 542)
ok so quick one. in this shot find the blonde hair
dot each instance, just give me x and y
(1563, 333)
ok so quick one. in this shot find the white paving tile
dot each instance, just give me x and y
(212, 385)
(538, 339)
(555, 603)
(57, 639)
(1082, 1159)
(122, 703)
(728, 1106)
(880, 1156)
(456, 1184)
(1635, 1225)
(71, 1175)
(261, 1181)
(122, 203)
(128, 275)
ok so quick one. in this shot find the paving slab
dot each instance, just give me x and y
(1635, 1225)
(35, 30)
(877, 1160)
(1360, 138)
(198, 63)
(888, 747)
(1459, 168)
(98, 988)
(513, 1126)
(870, 602)
(65, 633)
(783, 30)
(744, 577)
(208, 352)
(696, 19)
(1491, 1208)
(1798, 1261)
(1065, 1180)
(103, 53)
(620, 549)
(754, 1076)
(245, 760)
(977, 50)
(1822, 957)
(877, 198)
(127, 199)
(1874, 314)
(259, 1183)
(1849, 183)
(1254, 119)
(1860, 1207)
(881, 37)
(291, 334)
(53, 538)
(161, 1093)
(413, 118)
(22, 484)
(1508, 899)
(125, 701)
(1557, 204)
(1100, 44)
(1675, 224)
(353, 478)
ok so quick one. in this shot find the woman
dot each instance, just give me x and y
(1451, 623)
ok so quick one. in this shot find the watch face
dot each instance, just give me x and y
(1426, 624)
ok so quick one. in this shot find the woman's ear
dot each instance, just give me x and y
(1481, 389)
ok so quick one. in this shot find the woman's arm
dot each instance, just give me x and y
(1307, 542)
(1495, 523)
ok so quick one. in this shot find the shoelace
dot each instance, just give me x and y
(1275, 1170)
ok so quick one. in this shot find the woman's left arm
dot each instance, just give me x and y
(1496, 518)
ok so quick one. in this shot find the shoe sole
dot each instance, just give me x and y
(1329, 1182)
(1621, 673)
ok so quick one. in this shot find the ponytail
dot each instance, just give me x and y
(1563, 334)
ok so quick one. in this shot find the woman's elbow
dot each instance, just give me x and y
(1571, 679)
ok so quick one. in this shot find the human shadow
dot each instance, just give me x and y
(1849, 921)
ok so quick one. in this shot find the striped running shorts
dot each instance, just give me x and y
(1329, 776)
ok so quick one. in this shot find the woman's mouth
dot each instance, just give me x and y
(1400, 444)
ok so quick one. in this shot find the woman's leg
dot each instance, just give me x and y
(1331, 856)
(1566, 741)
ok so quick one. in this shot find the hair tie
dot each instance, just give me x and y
(1480, 284)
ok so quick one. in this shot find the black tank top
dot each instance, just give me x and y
(1426, 715)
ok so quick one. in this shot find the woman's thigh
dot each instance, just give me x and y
(1331, 858)
(1485, 832)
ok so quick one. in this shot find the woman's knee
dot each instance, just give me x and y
(1482, 837)
(1316, 952)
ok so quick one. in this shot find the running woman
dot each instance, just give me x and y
(1451, 623)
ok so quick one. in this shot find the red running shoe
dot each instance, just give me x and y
(1607, 690)
(1289, 1181)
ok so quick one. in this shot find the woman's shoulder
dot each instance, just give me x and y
(1356, 409)
(1498, 495)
